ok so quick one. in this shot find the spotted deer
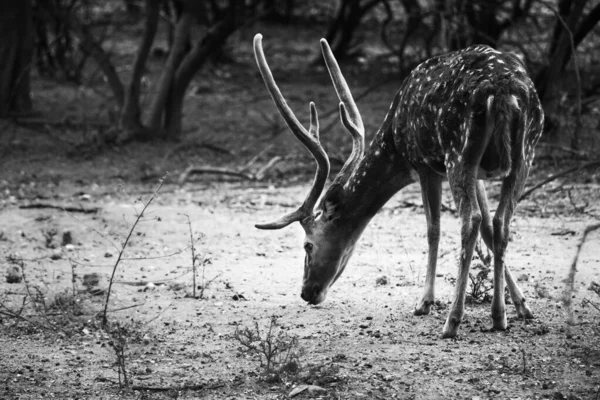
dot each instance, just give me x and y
(468, 115)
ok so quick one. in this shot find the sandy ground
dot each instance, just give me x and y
(363, 342)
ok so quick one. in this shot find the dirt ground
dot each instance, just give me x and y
(363, 342)
(364, 334)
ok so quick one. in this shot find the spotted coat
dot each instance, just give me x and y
(444, 104)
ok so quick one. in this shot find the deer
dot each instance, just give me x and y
(466, 116)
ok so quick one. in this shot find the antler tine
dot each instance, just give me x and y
(310, 139)
(348, 111)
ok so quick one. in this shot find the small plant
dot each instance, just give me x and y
(481, 278)
(49, 235)
(199, 260)
(202, 261)
(278, 351)
(124, 246)
(481, 281)
(119, 337)
(594, 287)
(67, 303)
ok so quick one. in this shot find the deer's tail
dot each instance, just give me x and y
(503, 113)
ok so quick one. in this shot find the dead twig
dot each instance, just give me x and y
(122, 250)
(160, 313)
(586, 302)
(187, 145)
(259, 175)
(524, 360)
(127, 307)
(570, 281)
(578, 153)
(591, 164)
(193, 256)
(177, 388)
(8, 313)
(256, 157)
(212, 170)
(72, 209)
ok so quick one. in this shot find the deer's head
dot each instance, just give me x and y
(331, 230)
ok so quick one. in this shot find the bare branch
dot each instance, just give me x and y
(553, 177)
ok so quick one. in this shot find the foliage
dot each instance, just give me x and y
(124, 246)
(481, 282)
(481, 277)
(120, 336)
(57, 50)
(551, 37)
(278, 351)
(42, 307)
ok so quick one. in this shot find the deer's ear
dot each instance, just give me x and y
(333, 202)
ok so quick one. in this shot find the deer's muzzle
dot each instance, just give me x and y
(313, 293)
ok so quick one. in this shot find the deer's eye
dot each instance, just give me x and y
(308, 247)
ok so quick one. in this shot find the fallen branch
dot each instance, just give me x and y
(212, 170)
(578, 153)
(256, 157)
(263, 170)
(63, 208)
(551, 178)
(259, 175)
(570, 281)
(177, 388)
(187, 145)
(587, 302)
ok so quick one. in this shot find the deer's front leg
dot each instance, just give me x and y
(431, 191)
(463, 186)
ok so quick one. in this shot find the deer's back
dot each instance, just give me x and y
(443, 96)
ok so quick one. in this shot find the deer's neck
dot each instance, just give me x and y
(382, 172)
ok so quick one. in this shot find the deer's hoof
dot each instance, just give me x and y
(499, 323)
(499, 317)
(423, 309)
(451, 327)
(523, 311)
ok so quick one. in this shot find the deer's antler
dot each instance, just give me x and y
(348, 112)
(310, 139)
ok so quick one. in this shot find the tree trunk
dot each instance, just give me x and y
(546, 81)
(585, 27)
(341, 31)
(486, 27)
(131, 113)
(174, 113)
(193, 61)
(16, 47)
(177, 53)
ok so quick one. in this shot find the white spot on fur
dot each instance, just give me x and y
(467, 133)
(515, 102)
(490, 101)
(414, 176)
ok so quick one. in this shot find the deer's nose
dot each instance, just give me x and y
(310, 293)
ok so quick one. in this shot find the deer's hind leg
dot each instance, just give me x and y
(512, 186)
(463, 182)
(487, 234)
(431, 191)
